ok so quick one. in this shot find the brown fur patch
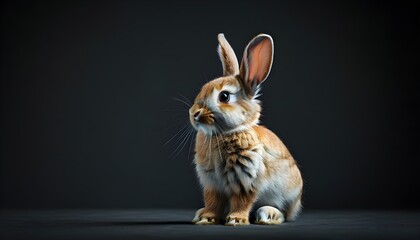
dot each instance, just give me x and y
(206, 117)
(225, 107)
(240, 207)
(214, 204)
(272, 142)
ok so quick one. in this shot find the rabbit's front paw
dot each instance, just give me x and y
(202, 217)
(236, 220)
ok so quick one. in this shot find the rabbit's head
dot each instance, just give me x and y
(228, 104)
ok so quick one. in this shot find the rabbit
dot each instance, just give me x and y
(242, 166)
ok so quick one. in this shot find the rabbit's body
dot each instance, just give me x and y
(248, 162)
(239, 163)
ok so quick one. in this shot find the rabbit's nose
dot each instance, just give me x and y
(197, 115)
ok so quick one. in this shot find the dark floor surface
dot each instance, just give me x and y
(175, 224)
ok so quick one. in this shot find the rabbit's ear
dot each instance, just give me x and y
(227, 56)
(256, 62)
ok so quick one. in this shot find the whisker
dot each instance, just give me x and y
(204, 143)
(182, 101)
(186, 99)
(186, 131)
(175, 108)
(172, 125)
(205, 77)
(211, 136)
(219, 128)
(181, 146)
(181, 130)
(220, 153)
(191, 143)
(181, 142)
(220, 134)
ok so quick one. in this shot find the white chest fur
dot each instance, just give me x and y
(232, 165)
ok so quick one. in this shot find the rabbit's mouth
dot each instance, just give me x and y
(201, 116)
(204, 123)
(207, 119)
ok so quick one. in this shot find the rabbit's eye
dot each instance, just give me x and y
(224, 96)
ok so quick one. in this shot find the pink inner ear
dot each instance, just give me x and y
(259, 60)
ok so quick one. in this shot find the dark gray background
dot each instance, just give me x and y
(87, 93)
